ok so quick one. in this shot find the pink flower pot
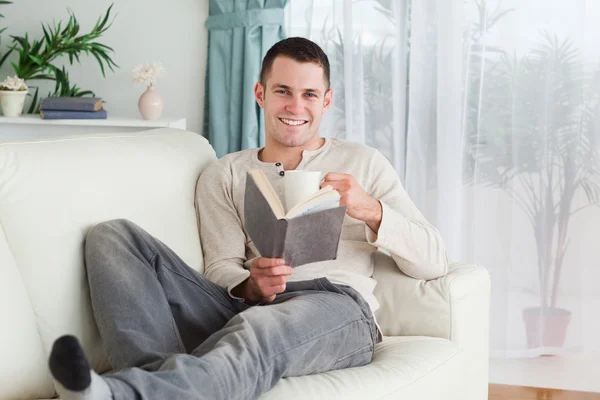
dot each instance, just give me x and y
(151, 104)
(546, 327)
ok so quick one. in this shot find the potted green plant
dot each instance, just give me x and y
(38, 59)
(13, 91)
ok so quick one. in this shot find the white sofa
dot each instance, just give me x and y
(52, 192)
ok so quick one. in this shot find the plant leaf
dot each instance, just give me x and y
(42, 77)
(106, 16)
(99, 62)
(46, 36)
(592, 191)
(85, 93)
(33, 104)
(5, 56)
(36, 60)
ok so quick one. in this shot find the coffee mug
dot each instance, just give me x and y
(299, 185)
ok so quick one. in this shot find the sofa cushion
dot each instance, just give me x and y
(51, 193)
(402, 368)
(23, 372)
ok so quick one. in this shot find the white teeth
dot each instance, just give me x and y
(292, 122)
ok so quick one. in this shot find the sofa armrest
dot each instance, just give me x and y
(447, 307)
(454, 307)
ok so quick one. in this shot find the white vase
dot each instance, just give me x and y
(151, 104)
(12, 102)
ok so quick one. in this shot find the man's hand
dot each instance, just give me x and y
(268, 277)
(360, 204)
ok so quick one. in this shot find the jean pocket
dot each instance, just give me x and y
(326, 285)
(360, 357)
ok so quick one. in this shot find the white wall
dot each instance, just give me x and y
(144, 31)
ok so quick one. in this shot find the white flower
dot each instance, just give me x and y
(147, 74)
(13, 83)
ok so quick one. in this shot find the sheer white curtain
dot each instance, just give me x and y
(502, 153)
(489, 111)
(366, 46)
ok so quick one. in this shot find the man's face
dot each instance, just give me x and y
(294, 100)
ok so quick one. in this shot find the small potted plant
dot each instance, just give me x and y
(151, 103)
(12, 96)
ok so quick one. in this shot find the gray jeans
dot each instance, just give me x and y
(172, 334)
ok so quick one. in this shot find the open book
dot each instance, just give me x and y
(309, 232)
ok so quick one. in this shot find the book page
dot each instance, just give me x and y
(268, 192)
(324, 199)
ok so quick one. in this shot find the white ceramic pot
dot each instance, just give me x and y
(151, 104)
(12, 102)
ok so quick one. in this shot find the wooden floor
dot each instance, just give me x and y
(504, 392)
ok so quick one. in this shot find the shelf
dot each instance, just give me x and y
(34, 119)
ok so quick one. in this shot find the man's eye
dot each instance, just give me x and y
(281, 91)
(311, 95)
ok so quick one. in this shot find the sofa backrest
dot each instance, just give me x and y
(51, 193)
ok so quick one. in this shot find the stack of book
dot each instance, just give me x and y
(72, 108)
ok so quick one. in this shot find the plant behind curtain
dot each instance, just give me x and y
(490, 112)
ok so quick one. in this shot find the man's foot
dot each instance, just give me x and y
(72, 371)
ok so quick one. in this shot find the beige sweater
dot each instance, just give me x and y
(414, 244)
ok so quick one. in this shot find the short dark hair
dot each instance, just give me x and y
(298, 49)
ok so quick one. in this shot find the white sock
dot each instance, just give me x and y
(98, 390)
(71, 370)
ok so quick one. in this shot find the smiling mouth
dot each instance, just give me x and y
(293, 122)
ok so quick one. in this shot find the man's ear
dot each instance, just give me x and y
(327, 100)
(259, 94)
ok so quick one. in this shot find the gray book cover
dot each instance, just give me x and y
(299, 240)
(71, 103)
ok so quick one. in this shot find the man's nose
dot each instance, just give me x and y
(295, 105)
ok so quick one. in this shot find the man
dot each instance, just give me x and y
(172, 333)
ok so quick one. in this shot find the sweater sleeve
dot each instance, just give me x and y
(414, 244)
(222, 236)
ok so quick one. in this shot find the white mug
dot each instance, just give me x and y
(299, 185)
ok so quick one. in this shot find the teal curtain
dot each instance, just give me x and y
(240, 34)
